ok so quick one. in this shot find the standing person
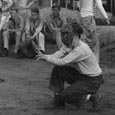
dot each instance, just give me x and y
(88, 22)
(14, 29)
(2, 23)
(53, 24)
(77, 65)
(34, 38)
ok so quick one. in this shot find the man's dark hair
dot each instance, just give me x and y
(68, 32)
(0, 10)
(56, 6)
(77, 29)
(36, 10)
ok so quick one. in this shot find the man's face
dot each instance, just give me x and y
(13, 13)
(34, 15)
(55, 11)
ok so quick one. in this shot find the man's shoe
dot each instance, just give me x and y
(5, 52)
(57, 103)
(19, 55)
(82, 101)
(97, 102)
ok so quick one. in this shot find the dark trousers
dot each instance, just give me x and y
(79, 84)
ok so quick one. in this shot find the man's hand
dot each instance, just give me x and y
(41, 56)
(29, 37)
(107, 21)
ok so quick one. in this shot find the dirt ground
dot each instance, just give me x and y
(25, 91)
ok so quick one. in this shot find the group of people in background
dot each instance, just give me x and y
(76, 62)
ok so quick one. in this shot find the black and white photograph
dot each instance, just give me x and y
(57, 57)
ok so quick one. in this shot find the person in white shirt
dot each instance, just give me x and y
(2, 23)
(88, 22)
(76, 64)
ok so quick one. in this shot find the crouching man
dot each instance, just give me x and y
(34, 39)
(76, 64)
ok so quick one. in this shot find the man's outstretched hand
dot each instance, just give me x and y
(41, 56)
(108, 21)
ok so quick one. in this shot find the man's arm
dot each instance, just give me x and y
(70, 58)
(27, 26)
(50, 25)
(101, 9)
(21, 24)
(73, 56)
(31, 3)
(38, 29)
(58, 54)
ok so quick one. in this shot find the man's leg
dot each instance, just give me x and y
(80, 85)
(1, 43)
(89, 27)
(58, 77)
(76, 94)
(6, 42)
(40, 39)
(58, 39)
(18, 40)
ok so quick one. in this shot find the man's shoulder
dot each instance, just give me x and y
(82, 46)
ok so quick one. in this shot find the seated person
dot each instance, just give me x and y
(34, 39)
(14, 30)
(52, 26)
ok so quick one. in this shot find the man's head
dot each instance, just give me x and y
(13, 12)
(55, 9)
(35, 13)
(71, 34)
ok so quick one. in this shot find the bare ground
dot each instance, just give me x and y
(25, 92)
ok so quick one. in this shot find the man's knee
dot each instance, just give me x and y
(41, 35)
